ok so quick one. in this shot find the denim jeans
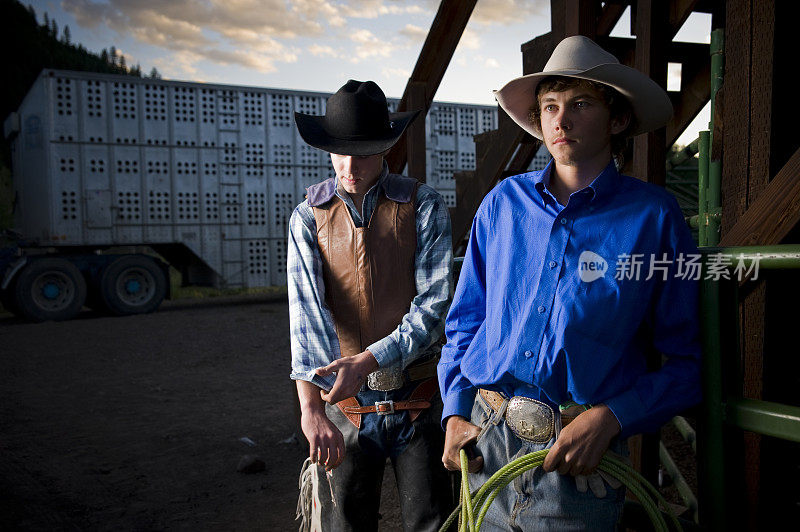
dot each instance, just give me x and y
(537, 500)
(415, 450)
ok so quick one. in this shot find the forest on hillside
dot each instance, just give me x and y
(30, 46)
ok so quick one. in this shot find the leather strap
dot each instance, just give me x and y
(350, 402)
(419, 400)
(495, 401)
(422, 370)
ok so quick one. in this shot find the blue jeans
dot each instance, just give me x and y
(537, 500)
(415, 450)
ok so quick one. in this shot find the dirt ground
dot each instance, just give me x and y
(134, 423)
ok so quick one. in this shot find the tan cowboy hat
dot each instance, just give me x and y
(580, 57)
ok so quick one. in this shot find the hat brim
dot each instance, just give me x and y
(650, 103)
(312, 129)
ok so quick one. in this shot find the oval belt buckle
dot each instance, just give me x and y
(530, 419)
(386, 379)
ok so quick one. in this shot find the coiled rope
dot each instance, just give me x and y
(480, 500)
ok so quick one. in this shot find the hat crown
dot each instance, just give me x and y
(357, 110)
(578, 53)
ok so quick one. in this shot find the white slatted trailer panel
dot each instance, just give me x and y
(217, 168)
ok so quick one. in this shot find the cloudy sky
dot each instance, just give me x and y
(314, 44)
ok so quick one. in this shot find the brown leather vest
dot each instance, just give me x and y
(368, 271)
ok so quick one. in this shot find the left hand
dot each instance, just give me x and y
(351, 372)
(597, 482)
(581, 444)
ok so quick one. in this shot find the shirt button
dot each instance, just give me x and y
(563, 221)
(528, 354)
(552, 264)
(541, 309)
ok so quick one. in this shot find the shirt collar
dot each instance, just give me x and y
(378, 184)
(600, 187)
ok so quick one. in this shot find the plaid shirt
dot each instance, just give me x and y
(313, 335)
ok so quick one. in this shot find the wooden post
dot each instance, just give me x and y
(649, 153)
(749, 42)
(446, 30)
(415, 135)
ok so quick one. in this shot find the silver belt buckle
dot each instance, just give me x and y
(531, 420)
(378, 411)
(386, 379)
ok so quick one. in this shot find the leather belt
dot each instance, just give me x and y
(419, 400)
(393, 378)
(528, 418)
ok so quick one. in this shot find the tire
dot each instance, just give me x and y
(49, 289)
(132, 284)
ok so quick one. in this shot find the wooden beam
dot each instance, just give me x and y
(581, 18)
(693, 96)
(774, 214)
(415, 135)
(679, 11)
(443, 37)
(497, 148)
(649, 150)
(524, 155)
(754, 209)
(536, 52)
(735, 158)
(609, 16)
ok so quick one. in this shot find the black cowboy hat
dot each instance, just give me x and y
(356, 122)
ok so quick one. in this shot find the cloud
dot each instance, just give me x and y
(470, 40)
(414, 33)
(322, 51)
(502, 12)
(375, 8)
(396, 73)
(369, 45)
(253, 34)
(228, 32)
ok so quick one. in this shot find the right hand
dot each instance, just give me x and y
(326, 443)
(460, 433)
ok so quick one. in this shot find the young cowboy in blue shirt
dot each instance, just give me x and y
(550, 311)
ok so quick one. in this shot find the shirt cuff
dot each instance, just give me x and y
(309, 376)
(627, 409)
(385, 352)
(458, 404)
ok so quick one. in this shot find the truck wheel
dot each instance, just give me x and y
(49, 289)
(132, 284)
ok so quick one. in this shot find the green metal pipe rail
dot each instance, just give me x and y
(722, 409)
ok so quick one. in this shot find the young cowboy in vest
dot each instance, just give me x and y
(369, 268)
(549, 311)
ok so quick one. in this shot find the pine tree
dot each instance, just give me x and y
(67, 35)
(46, 20)
(122, 64)
(112, 54)
(54, 29)
(104, 56)
(154, 74)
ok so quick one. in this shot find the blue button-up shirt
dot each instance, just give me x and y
(313, 334)
(547, 305)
